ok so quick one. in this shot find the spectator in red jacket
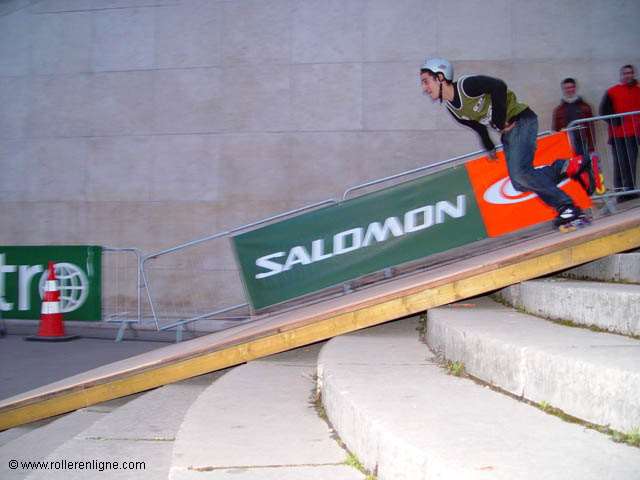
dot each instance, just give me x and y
(624, 132)
(573, 107)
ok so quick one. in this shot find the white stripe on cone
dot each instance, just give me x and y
(51, 286)
(50, 308)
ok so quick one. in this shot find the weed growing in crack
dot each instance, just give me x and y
(422, 327)
(455, 368)
(631, 438)
(545, 407)
(352, 461)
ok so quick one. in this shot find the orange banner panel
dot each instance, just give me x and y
(503, 208)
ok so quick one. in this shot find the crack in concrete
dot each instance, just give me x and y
(128, 439)
(211, 468)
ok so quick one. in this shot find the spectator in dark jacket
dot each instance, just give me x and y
(573, 107)
(624, 132)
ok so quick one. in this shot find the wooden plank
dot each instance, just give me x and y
(377, 304)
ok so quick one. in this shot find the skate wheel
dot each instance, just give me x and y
(567, 228)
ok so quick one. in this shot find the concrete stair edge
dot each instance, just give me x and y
(608, 306)
(588, 375)
(269, 428)
(378, 405)
(113, 434)
(622, 267)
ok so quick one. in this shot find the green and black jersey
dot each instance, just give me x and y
(480, 101)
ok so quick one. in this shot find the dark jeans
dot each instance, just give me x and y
(625, 158)
(580, 143)
(519, 148)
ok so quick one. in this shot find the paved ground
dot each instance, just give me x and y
(27, 365)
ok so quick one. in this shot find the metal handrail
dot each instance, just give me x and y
(576, 124)
(346, 194)
(180, 323)
(198, 241)
(238, 229)
(206, 315)
(424, 168)
(601, 117)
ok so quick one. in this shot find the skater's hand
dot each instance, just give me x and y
(493, 155)
(508, 127)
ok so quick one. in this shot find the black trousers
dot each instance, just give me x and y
(625, 160)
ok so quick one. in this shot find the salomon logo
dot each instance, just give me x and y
(359, 237)
(504, 193)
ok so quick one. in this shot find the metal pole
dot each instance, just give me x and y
(423, 168)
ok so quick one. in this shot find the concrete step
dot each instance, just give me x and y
(7, 436)
(259, 421)
(613, 307)
(403, 416)
(37, 440)
(623, 267)
(590, 375)
(140, 433)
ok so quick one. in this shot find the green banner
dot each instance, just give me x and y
(23, 271)
(326, 247)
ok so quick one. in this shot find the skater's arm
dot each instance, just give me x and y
(480, 129)
(480, 84)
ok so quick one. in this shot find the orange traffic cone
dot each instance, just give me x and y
(51, 326)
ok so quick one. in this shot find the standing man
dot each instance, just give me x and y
(478, 101)
(624, 132)
(573, 107)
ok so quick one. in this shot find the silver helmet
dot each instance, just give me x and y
(439, 65)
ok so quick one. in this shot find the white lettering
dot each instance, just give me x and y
(4, 306)
(457, 211)
(411, 219)
(340, 240)
(297, 255)
(380, 233)
(24, 285)
(317, 251)
(273, 267)
(344, 242)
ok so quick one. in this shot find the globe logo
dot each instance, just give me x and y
(73, 284)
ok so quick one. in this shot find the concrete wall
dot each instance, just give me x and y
(151, 122)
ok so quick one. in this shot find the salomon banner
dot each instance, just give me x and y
(23, 273)
(341, 242)
(406, 222)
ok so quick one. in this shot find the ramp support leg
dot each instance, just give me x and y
(609, 205)
(120, 335)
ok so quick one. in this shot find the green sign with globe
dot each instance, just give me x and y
(23, 272)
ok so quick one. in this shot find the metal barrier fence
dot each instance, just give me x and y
(122, 287)
(182, 283)
(616, 139)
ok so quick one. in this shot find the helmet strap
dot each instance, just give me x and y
(440, 94)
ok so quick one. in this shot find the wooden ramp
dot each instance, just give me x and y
(404, 296)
